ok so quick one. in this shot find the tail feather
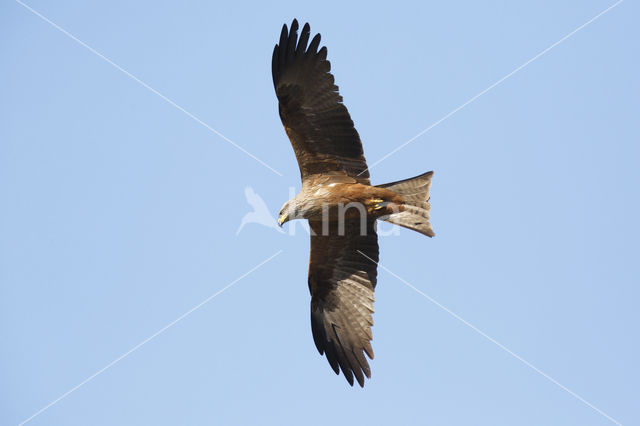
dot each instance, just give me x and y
(414, 212)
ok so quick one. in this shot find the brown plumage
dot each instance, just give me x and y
(338, 200)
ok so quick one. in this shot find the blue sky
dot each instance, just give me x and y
(120, 211)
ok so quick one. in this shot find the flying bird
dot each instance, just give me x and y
(339, 202)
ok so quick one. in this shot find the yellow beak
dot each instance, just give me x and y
(280, 221)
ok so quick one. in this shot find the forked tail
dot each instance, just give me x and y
(414, 212)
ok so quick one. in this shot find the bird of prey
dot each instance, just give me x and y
(339, 202)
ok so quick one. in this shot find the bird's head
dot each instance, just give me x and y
(289, 211)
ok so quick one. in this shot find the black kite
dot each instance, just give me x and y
(338, 201)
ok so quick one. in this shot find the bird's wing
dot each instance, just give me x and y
(315, 119)
(341, 282)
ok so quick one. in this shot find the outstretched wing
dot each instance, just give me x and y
(315, 119)
(341, 282)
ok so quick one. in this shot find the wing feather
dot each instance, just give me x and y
(318, 124)
(341, 282)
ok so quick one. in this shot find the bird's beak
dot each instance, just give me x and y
(280, 221)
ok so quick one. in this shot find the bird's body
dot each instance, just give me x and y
(325, 198)
(339, 202)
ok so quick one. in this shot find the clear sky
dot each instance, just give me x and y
(119, 214)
